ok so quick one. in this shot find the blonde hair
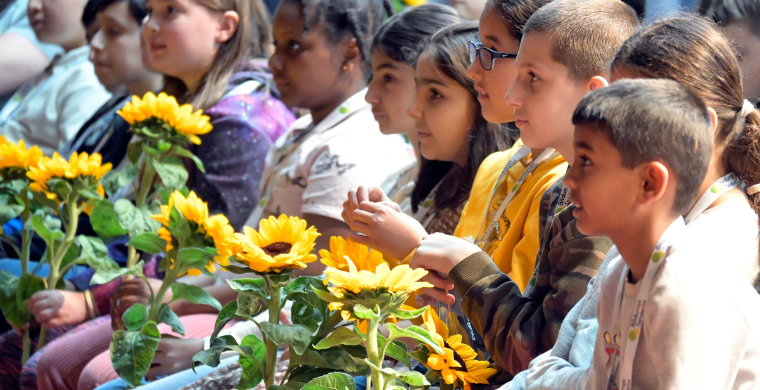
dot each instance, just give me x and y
(252, 39)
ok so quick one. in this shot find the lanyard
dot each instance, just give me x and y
(289, 146)
(422, 211)
(720, 187)
(563, 201)
(521, 153)
(662, 250)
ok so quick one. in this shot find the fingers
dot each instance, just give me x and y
(438, 281)
(353, 200)
(362, 195)
(361, 239)
(431, 296)
(347, 214)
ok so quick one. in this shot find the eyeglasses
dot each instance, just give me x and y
(486, 55)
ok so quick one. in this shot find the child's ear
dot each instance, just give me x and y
(713, 119)
(228, 25)
(597, 82)
(351, 53)
(654, 177)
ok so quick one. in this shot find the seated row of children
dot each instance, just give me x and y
(524, 243)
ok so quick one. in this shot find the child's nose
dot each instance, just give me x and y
(570, 180)
(475, 71)
(414, 110)
(275, 62)
(512, 97)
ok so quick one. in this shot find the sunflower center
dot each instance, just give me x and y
(457, 358)
(277, 248)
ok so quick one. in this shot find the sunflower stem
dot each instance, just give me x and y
(146, 183)
(374, 356)
(275, 292)
(171, 276)
(26, 239)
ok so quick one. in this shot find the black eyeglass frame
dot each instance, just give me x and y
(475, 52)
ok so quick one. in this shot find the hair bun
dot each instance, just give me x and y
(747, 108)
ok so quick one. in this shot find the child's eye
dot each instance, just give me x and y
(293, 47)
(435, 94)
(584, 161)
(532, 76)
(113, 32)
(171, 10)
(387, 78)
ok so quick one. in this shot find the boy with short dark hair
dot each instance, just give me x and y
(642, 149)
(564, 54)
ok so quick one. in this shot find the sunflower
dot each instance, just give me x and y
(215, 229)
(280, 244)
(78, 166)
(364, 258)
(166, 109)
(18, 156)
(400, 279)
(458, 362)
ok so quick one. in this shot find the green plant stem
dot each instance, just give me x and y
(146, 184)
(373, 355)
(171, 276)
(27, 347)
(274, 318)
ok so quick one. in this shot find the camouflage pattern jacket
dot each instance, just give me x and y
(515, 327)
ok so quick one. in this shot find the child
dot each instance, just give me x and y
(642, 150)
(740, 20)
(700, 57)
(395, 47)
(48, 110)
(322, 64)
(219, 40)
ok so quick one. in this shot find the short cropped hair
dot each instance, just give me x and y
(654, 120)
(586, 34)
(137, 9)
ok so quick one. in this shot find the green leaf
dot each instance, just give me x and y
(413, 378)
(107, 274)
(172, 172)
(326, 296)
(332, 381)
(95, 253)
(211, 356)
(135, 317)
(341, 336)
(168, 317)
(47, 227)
(297, 336)
(116, 179)
(364, 313)
(306, 315)
(28, 284)
(333, 358)
(60, 187)
(226, 315)
(9, 209)
(105, 221)
(89, 193)
(41, 199)
(8, 286)
(136, 220)
(248, 304)
(179, 226)
(417, 333)
(194, 294)
(72, 255)
(193, 258)
(186, 153)
(237, 270)
(408, 314)
(132, 352)
(257, 286)
(134, 150)
(395, 350)
(252, 374)
(148, 242)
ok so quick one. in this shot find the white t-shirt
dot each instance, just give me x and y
(311, 168)
(697, 333)
(49, 110)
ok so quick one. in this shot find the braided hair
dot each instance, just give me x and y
(339, 18)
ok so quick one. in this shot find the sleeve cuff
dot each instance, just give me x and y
(471, 270)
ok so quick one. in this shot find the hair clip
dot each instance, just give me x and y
(747, 108)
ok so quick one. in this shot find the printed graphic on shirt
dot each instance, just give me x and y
(327, 162)
(612, 347)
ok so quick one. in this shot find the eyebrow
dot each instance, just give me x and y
(386, 65)
(583, 145)
(492, 38)
(429, 81)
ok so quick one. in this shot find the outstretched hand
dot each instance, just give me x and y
(385, 229)
(439, 253)
(53, 308)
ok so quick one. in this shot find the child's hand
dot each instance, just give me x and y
(53, 308)
(439, 253)
(389, 231)
(130, 292)
(173, 355)
(365, 194)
